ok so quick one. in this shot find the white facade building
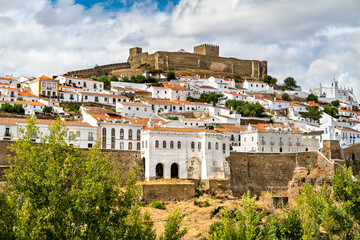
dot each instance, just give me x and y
(134, 109)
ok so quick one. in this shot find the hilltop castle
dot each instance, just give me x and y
(204, 57)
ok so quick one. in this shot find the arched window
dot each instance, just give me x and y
(156, 144)
(281, 139)
(224, 147)
(280, 149)
(138, 133)
(171, 144)
(121, 145)
(142, 144)
(209, 145)
(113, 138)
(199, 145)
(121, 133)
(179, 145)
(130, 134)
(104, 138)
(217, 146)
(138, 146)
(192, 145)
(164, 144)
(130, 146)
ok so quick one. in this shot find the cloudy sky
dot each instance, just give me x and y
(311, 40)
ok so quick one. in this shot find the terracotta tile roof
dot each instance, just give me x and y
(348, 129)
(12, 89)
(206, 87)
(176, 87)
(14, 121)
(160, 102)
(232, 128)
(27, 94)
(312, 103)
(254, 81)
(224, 116)
(169, 129)
(134, 104)
(6, 78)
(192, 119)
(31, 103)
(296, 104)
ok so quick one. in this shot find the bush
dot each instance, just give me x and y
(285, 97)
(47, 109)
(172, 226)
(172, 118)
(201, 203)
(158, 205)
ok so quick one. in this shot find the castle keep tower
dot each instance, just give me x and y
(207, 50)
(134, 51)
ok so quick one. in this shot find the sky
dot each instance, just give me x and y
(313, 41)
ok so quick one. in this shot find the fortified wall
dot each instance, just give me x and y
(204, 57)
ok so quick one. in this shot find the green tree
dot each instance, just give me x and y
(268, 79)
(285, 97)
(335, 103)
(313, 113)
(47, 109)
(311, 97)
(56, 191)
(18, 109)
(213, 98)
(290, 83)
(170, 76)
(246, 109)
(191, 99)
(173, 225)
(125, 79)
(94, 78)
(284, 225)
(332, 111)
(114, 79)
(239, 224)
(19, 99)
(105, 80)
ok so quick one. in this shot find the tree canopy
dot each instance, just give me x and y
(246, 109)
(332, 111)
(268, 79)
(290, 83)
(285, 97)
(170, 76)
(312, 97)
(313, 113)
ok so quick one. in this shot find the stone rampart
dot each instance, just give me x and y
(98, 70)
(259, 172)
(164, 191)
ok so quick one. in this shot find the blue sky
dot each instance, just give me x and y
(119, 4)
(312, 44)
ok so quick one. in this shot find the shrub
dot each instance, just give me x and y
(158, 205)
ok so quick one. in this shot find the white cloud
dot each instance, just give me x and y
(312, 41)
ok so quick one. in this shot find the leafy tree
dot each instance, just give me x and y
(170, 76)
(105, 80)
(246, 109)
(173, 225)
(19, 99)
(268, 79)
(125, 79)
(94, 78)
(285, 97)
(173, 118)
(56, 191)
(191, 99)
(47, 109)
(290, 83)
(311, 97)
(157, 84)
(6, 107)
(332, 111)
(114, 79)
(213, 98)
(313, 113)
(18, 109)
(239, 224)
(284, 225)
(335, 103)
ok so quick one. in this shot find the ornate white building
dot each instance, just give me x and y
(335, 92)
(184, 153)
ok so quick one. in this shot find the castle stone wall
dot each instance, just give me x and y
(262, 172)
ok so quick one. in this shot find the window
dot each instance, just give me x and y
(54, 85)
(44, 84)
(121, 133)
(146, 144)
(104, 138)
(216, 146)
(121, 145)
(113, 138)
(86, 97)
(90, 136)
(138, 146)
(199, 145)
(156, 144)
(130, 146)
(138, 134)
(142, 144)
(224, 147)
(192, 145)
(179, 145)
(164, 144)
(171, 144)
(209, 145)
(7, 132)
(94, 85)
(130, 134)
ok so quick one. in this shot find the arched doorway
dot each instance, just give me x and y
(159, 171)
(174, 170)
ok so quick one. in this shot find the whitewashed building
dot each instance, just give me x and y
(134, 109)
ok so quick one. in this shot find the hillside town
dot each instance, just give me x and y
(184, 126)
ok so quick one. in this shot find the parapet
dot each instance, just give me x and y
(134, 51)
(207, 49)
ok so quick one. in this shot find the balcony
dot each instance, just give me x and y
(263, 143)
(290, 144)
(298, 144)
(281, 143)
(48, 88)
(272, 143)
